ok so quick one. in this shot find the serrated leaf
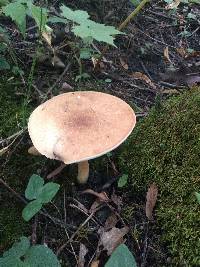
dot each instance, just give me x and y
(78, 16)
(55, 19)
(4, 65)
(97, 31)
(121, 257)
(48, 191)
(34, 187)
(197, 196)
(41, 255)
(31, 209)
(19, 248)
(40, 16)
(122, 180)
(17, 11)
(135, 2)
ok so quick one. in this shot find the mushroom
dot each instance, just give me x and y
(78, 126)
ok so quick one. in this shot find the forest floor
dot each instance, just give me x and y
(158, 56)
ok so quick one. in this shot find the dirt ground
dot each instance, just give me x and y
(157, 57)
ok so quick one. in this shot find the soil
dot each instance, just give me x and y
(151, 62)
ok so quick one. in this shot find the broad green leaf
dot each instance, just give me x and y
(97, 31)
(122, 180)
(40, 16)
(136, 2)
(78, 16)
(197, 196)
(18, 249)
(48, 191)
(55, 19)
(17, 11)
(31, 209)
(85, 53)
(4, 2)
(4, 65)
(41, 256)
(34, 187)
(121, 257)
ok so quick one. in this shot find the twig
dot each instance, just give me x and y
(122, 26)
(56, 171)
(57, 81)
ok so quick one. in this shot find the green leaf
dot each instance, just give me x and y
(85, 53)
(17, 11)
(34, 187)
(78, 16)
(40, 255)
(3, 2)
(31, 209)
(197, 196)
(18, 249)
(40, 16)
(121, 257)
(122, 180)
(4, 65)
(55, 19)
(135, 2)
(48, 191)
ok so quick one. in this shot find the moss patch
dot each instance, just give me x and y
(165, 148)
(16, 166)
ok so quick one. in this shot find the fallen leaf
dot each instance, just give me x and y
(123, 63)
(57, 62)
(117, 200)
(33, 151)
(143, 77)
(111, 239)
(81, 258)
(4, 150)
(111, 222)
(182, 52)
(47, 37)
(95, 206)
(66, 86)
(173, 5)
(166, 54)
(95, 264)
(151, 199)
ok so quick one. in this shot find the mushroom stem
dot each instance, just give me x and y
(83, 172)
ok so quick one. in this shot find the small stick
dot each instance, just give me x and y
(122, 26)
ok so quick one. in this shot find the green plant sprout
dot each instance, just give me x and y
(39, 194)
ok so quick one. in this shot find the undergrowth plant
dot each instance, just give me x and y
(23, 254)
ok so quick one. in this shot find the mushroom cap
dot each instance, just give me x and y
(78, 126)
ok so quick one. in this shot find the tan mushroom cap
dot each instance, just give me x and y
(79, 126)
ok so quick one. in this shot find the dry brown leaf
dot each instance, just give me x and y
(123, 63)
(151, 199)
(173, 5)
(113, 238)
(143, 77)
(182, 52)
(111, 221)
(81, 258)
(57, 62)
(95, 206)
(4, 150)
(166, 54)
(95, 264)
(47, 37)
(101, 196)
(33, 151)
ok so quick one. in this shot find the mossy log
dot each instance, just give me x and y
(165, 148)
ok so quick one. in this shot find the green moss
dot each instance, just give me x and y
(165, 148)
(16, 166)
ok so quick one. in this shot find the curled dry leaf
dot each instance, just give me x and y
(111, 239)
(111, 221)
(143, 77)
(81, 258)
(123, 63)
(151, 199)
(166, 54)
(173, 5)
(95, 264)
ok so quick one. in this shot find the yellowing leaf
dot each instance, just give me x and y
(151, 197)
